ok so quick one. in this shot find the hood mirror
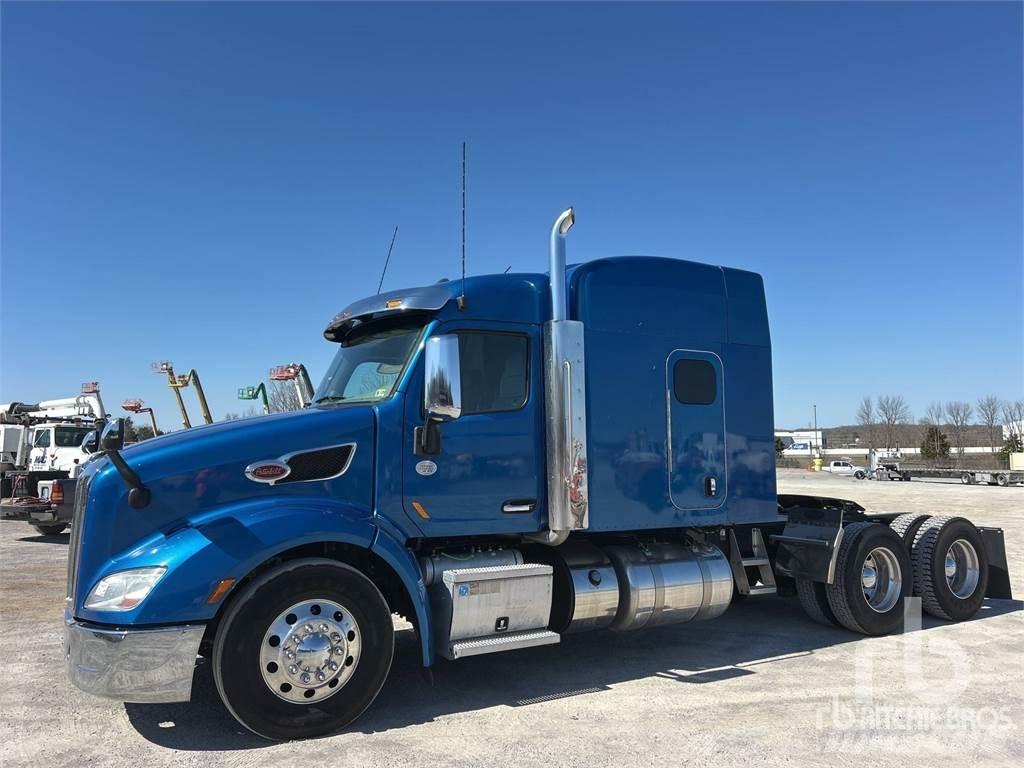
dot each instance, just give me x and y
(91, 442)
(113, 436)
(111, 441)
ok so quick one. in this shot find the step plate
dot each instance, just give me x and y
(510, 642)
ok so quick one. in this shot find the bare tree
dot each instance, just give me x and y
(282, 396)
(988, 412)
(1013, 421)
(960, 414)
(892, 410)
(866, 419)
(935, 416)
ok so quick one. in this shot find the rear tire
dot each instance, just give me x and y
(950, 568)
(50, 530)
(873, 577)
(353, 654)
(1002, 481)
(966, 478)
(907, 526)
(814, 600)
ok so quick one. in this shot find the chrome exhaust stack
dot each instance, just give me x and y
(566, 401)
(556, 267)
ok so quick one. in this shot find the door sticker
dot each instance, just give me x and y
(426, 468)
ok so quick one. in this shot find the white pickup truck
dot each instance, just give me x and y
(845, 467)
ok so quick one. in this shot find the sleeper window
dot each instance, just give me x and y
(693, 382)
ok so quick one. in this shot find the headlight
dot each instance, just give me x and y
(124, 590)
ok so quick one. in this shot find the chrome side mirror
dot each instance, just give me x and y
(442, 388)
(442, 391)
(91, 442)
(113, 435)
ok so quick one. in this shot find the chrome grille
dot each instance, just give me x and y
(77, 531)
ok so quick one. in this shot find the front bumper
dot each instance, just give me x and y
(144, 666)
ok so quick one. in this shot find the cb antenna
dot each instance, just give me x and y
(462, 298)
(387, 260)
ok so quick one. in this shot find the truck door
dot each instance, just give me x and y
(487, 477)
(695, 393)
(42, 440)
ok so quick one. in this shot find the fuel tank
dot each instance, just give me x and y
(632, 586)
(668, 583)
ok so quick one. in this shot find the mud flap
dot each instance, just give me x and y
(998, 570)
(808, 545)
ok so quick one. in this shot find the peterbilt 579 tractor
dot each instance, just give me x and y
(503, 460)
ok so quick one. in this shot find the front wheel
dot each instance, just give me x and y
(303, 650)
(50, 529)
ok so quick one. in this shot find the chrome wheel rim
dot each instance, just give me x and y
(310, 651)
(881, 579)
(962, 568)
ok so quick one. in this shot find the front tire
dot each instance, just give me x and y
(51, 529)
(873, 577)
(303, 650)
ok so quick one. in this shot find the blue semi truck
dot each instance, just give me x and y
(502, 460)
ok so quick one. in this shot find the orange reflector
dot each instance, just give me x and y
(220, 590)
(420, 510)
(393, 303)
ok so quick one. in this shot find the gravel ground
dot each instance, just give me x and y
(760, 686)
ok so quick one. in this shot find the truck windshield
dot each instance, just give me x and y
(70, 437)
(367, 366)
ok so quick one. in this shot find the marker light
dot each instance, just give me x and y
(124, 590)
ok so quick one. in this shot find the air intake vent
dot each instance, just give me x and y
(321, 464)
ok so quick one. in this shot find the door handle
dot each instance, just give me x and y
(710, 486)
(518, 506)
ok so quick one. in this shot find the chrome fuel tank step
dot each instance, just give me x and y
(510, 642)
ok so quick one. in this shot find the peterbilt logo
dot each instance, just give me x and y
(267, 471)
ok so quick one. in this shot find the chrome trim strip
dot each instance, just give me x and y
(78, 509)
(143, 666)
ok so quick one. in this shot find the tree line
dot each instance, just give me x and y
(945, 423)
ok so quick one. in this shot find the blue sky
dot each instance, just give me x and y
(211, 183)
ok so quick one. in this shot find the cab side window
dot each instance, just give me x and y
(42, 439)
(495, 369)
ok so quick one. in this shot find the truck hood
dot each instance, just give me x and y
(197, 475)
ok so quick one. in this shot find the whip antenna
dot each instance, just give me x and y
(388, 259)
(462, 298)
